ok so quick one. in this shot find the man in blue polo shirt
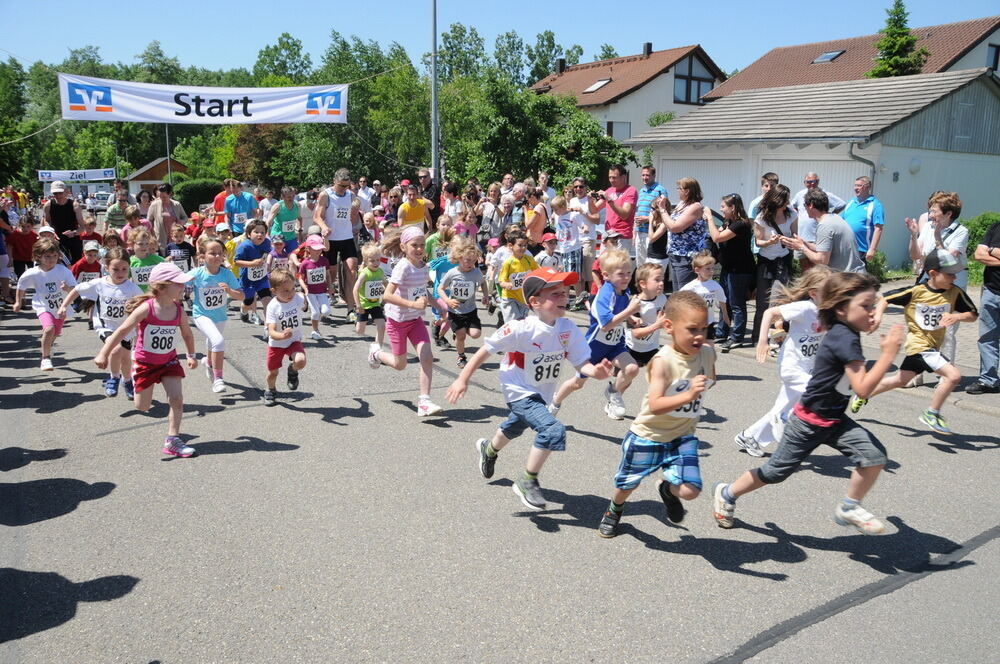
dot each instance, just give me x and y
(649, 192)
(240, 206)
(866, 217)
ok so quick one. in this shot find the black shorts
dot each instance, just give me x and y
(260, 295)
(927, 361)
(467, 321)
(126, 343)
(373, 314)
(643, 357)
(341, 250)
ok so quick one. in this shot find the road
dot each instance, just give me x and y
(337, 526)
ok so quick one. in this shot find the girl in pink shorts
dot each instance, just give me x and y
(49, 280)
(404, 301)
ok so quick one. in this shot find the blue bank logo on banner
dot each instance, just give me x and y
(321, 103)
(89, 97)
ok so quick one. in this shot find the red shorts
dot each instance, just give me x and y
(147, 375)
(275, 355)
(414, 331)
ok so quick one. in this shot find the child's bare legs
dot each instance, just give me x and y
(898, 379)
(298, 362)
(568, 388)
(397, 362)
(118, 362)
(536, 459)
(862, 481)
(683, 491)
(263, 304)
(315, 324)
(175, 397)
(143, 400)
(272, 379)
(629, 370)
(48, 336)
(746, 483)
(950, 378)
(359, 327)
(380, 331)
(426, 366)
(461, 335)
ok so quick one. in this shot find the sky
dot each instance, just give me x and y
(223, 35)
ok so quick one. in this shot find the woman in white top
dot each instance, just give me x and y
(939, 228)
(775, 221)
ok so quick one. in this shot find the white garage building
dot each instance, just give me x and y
(911, 134)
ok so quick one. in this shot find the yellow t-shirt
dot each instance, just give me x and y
(923, 307)
(231, 255)
(412, 213)
(514, 270)
(683, 421)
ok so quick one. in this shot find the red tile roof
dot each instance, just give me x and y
(627, 74)
(792, 65)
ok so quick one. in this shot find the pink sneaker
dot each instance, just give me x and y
(174, 446)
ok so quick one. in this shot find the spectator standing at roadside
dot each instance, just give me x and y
(164, 212)
(807, 227)
(114, 217)
(580, 202)
(649, 192)
(988, 253)
(834, 244)
(688, 232)
(738, 265)
(618, 202)
(866, 217)
(121, 187)
(429, 191)
(774, 222)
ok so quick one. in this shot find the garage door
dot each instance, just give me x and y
(835, 175)
(717, 177)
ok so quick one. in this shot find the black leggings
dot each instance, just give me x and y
(768, 271)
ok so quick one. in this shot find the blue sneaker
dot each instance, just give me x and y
(129, 389)
(111, 387)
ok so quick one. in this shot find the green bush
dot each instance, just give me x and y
(977, 228)
(878, 267)
(192, 193)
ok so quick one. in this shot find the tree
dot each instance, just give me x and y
(542, 56)
(462, 53)
(608, 52)
(156, 67)
(508, 54)
(897, 48)
(285, 58)
(660, 117)
(573, 54)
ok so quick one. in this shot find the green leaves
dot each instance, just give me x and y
(897, 49)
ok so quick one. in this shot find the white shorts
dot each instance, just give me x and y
(319, 305)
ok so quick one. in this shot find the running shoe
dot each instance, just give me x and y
(979, 387)
(608, 527)
(245, 317)
(46, 364)
(427, 408)
(554, 408)
(292, 376)
(218, 385)
(374, 361)
(352, 316)
(255, 319)
(857, 403)
(861, 519)
(486, 462)
(111, 387)
(462, 361)
(269, 397)
(529, 492)
(722, 510)
(129, 388)
(615, 407)
(748, 444)
(316, 336)
(208, 368)
(727, 345)
(675, 509)
(935, 422)
(174, 446)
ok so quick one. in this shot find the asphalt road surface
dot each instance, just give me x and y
(337, 527)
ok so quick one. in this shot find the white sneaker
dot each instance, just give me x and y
(748, 444)
(374, 361)
(46, 364)
(208, 368)
(315, 335)
(255, 319)
(428, 408)
(218, 385)
(616, 403)
(860, 519)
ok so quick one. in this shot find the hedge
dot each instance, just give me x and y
(192, 193)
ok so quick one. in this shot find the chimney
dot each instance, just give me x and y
(647, 49)
(560, 65)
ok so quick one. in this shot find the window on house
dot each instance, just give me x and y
(692, 79)
(993, 57)
(619, 130)
(829, 56)
(598, 85)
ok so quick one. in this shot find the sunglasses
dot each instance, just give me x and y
(811, 181)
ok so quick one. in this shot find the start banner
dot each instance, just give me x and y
(86, 98)
(82, 175)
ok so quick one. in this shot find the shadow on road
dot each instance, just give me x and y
(241, 444)
(332, 415)
(22, 503)
(484, 414)
(45, 402)
(36, 601)
(836, 465)
(12, 458)
(953, 444)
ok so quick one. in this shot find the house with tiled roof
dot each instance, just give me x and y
(621, 93)
(952, 47)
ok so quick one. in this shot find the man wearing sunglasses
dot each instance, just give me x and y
(429, 192)
(807, 224)
(580, 202)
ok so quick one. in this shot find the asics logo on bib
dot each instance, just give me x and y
(540, 358)
(89, 97)
(323, 103)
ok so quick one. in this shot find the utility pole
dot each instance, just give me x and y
(435, 157)
(170, 173)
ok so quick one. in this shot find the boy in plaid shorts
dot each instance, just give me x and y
(662, 435)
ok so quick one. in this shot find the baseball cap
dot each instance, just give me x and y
(612, 234)
(167, 271)
(543, 277)
(91, 245)
(278, 238)
(493, 242)
(404, 183)
(548, 236)
(942, 260)
(314, 242)
(58, 186)
(46, 229)
(222, 227)
(209, 222)
(313, 230)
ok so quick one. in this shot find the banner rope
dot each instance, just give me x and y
(17, 140)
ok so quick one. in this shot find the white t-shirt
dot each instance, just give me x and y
(48, 295)
(265, 206)
(586, 226)
(498, 259)
(110, 299)
(285, 316)
(534, 355)
(411, 283)
(798, 353)
(807, 226)
(545, 260)
(712, 293)
(338, 215)
(648, 310)
(568, 228)
(454, 208)
(776, 250)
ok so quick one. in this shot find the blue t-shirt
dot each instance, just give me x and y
(863, 217)
(645, 203)
(439, 267)
(248, 251)
(608, 304)
(210, 300)
(242, 204)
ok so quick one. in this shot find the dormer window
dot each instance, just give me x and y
(829, 56)
(598, 85)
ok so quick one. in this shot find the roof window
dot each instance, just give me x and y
(598, 85)
(829, 56)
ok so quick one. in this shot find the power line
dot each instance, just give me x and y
(17, 140)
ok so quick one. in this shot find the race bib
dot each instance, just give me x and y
(240, 219)
(88, 276)
(181, 265)
(690, 410)
(462, 290)
(113, 308)
(518, 280)
(418, 292)
(928, 316)
(289, 320)
(53, 301)
(141, 274)
(213, 297)
(808, 345)
(288, 227)
(342, 212)
(279, 264)
(256, 273)
(613, 336)
(543, 368)
(316, 275)
(160, 338)
(374, 290)
(440, 251)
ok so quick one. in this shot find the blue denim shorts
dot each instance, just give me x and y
(532, 412)
(640, 457)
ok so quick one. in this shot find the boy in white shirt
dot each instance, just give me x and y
(709, 289)
(284, 333)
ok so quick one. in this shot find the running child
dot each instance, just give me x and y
(662, 438)
(20, 243)
(642, 335)
(112, 239)
(368, 291)
(436, 244)
(846, 309)
(213, 285)
(108, 296)
(703, 264)
(437, 268)
(547, 256)
(459, 286)
(159, 317)
(143, 259)
(534, 348)
(49, 280)
(314, 277)
(284, 334)
(796, 308)
(606, 334)
(89, 266)
(280, 257)
(405, 299)
(251, 258)
(181, 252)
(512, 273)
(930, 307)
